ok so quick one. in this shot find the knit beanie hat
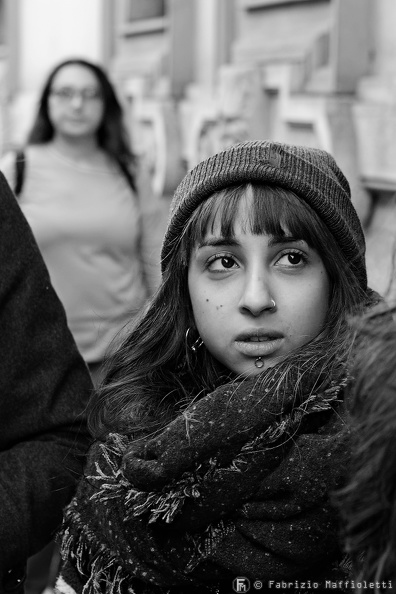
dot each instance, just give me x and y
(310, 173)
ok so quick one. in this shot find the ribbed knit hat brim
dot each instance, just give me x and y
(310, 173)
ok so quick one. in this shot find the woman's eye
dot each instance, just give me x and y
(292, 259)
(218, 263)
(227, 262)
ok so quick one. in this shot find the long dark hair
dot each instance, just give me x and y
(368, 502)
(112, 136)
(151, 374)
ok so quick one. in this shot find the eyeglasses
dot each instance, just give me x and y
(67, 94)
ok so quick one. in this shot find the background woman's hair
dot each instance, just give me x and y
(368, 502)
(111, 135)
(151, 375)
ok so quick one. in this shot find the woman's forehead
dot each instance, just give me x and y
(75, 75)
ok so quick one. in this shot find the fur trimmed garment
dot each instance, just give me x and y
(237, 485)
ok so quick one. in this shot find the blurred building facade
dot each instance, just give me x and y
(197, 75)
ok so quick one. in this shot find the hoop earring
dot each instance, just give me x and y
(196, 344)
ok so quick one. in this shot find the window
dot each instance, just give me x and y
(143, 16)
(137, 10)
(2, 22)
(255, 4)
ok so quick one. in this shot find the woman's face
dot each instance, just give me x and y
(233, 285)
(75, 104)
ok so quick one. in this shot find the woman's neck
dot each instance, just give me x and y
(81, 150)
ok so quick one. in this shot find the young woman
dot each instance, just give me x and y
(219, 426)
(79, 192)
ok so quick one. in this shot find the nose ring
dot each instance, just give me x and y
(273, 304)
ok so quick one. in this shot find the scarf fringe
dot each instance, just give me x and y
(101, 568)
(104, 574)
(291, 422)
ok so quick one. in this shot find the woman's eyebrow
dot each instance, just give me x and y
(230, 241)
(281, 239)
(219, 241)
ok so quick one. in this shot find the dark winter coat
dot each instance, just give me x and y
(44, 387)
(237, 485)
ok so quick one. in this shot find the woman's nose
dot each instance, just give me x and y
(77, 101)
(256, 296)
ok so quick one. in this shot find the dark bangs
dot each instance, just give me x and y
(271, 210)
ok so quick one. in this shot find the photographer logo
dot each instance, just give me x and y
(241, 584)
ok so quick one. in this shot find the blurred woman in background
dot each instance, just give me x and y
(80, 188)
(83, 194)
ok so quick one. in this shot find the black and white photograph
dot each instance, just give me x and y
(197, 296)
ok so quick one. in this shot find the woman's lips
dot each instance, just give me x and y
(259, 345)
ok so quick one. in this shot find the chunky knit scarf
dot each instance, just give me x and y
(236, 485)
